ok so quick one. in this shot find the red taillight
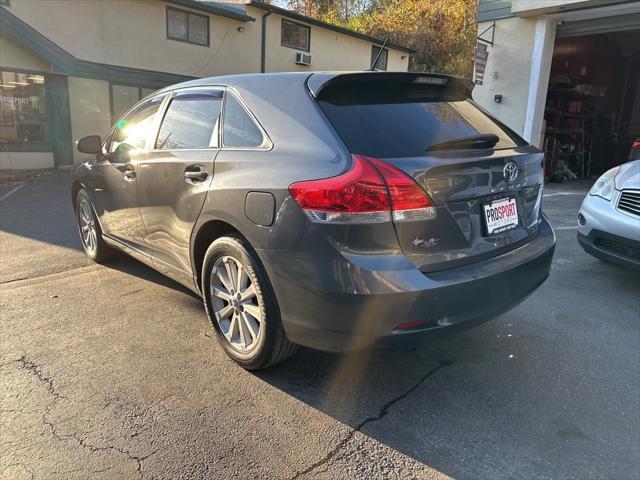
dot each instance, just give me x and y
(407, 197)
(372, 191)
(636, 145)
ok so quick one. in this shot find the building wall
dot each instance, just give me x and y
(508, 71)
(26, 160)
(90, 109)
(13, 55)
(329, 50)
(132, 33)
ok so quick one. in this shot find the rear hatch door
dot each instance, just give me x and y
(485, 181)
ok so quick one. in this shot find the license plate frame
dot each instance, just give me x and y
(494, 225)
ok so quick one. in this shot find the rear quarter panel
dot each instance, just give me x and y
(304, 147)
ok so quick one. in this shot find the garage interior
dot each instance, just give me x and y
(592, 112)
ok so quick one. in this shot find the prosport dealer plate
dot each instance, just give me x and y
(501, 215)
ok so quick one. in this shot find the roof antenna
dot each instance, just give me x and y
(372, 68)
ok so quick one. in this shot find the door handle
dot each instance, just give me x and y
(129, 174)
(194, 173)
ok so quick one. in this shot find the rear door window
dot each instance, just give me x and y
(403, 126)
(238, 128)
(191, 121)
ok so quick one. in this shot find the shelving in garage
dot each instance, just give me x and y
(592, 110)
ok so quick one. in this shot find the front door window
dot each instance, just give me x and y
(133, 130)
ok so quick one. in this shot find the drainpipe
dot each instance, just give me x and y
(264, 41)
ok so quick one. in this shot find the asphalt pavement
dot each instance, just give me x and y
(112, 372)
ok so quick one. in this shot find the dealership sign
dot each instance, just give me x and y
(482, 54)
(14, 100)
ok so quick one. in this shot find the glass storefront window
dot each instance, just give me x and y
(123, 98)
(23, 114)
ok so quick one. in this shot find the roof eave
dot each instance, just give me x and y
(214, 9)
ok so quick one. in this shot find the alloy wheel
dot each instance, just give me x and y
(87, 225)
(236, 305)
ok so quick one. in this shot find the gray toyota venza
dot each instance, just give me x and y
(331, 210)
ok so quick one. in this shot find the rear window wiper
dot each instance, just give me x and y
(487, 140)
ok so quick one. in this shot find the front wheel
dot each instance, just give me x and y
(241, 305)
(89, 229)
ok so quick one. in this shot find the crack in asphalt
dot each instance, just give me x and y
(36, 369)
(384, 410)
(25, 363)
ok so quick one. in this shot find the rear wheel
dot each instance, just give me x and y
(241, 305)
(90, 232)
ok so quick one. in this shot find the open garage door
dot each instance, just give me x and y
(592, 111)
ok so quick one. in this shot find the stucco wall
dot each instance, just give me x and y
(25, 160)
(132, 33)
(89, 108)
(329, 50)
(508, 71)
(13, 55)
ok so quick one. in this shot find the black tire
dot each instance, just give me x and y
(272, 345)
(96, 249)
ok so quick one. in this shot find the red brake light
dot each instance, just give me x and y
(372, 191)
(636, 145)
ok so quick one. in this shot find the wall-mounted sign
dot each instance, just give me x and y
(482, 54)
(14, 100)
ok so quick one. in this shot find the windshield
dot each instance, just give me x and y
(409, 128)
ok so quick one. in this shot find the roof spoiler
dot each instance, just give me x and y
(324, 84)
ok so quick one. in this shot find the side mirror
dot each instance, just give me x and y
(90, 144)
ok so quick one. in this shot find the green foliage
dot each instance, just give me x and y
(442, 32)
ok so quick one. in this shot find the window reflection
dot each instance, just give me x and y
(239, 131)
(23, 115)
(133, 130)
(191, 121)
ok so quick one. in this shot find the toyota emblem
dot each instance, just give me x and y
(510, 171)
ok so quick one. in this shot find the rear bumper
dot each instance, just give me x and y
(612, 248)
(338, 301)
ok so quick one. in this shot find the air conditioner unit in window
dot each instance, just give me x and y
(303, 58)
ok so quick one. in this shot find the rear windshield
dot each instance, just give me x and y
(405, 128)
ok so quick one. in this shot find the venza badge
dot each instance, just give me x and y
(510, 171)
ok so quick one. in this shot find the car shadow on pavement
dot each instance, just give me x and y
(534, 393)
(371, 390)
(133, 267)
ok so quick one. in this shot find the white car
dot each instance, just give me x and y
(609, 218)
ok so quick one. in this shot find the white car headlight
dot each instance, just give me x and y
(605, 185)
